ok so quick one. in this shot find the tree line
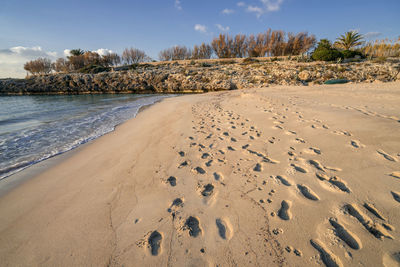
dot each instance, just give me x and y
(79, 59)
(269, 43)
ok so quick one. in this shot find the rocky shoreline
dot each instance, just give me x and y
(202, 76)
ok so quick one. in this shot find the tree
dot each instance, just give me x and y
(111, 59)
(61, 65)
(38, 66)
(91, 58)
(76, 52)
(223, 46)
(349, 40)
(134, 56)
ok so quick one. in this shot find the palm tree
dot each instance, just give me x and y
(349, 40)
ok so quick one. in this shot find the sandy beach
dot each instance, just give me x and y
(279, 176)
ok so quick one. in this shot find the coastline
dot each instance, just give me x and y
(101, 204)
(17, 178)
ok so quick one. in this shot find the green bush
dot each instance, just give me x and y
(325, 52)
(93, 69)
(351, 54)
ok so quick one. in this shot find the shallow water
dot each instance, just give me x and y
(34, 128)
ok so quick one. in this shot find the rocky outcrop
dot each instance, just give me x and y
(201, 77)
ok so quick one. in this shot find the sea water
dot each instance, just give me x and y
(35, 128)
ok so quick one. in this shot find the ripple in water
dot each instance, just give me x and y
(34, 128)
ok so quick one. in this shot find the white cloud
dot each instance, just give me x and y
(222, 28)
(178, 4)
(255, 9)
(227, 11)
(12, 59)
(103, 51)
(200, 28)
(67, 52)
(372, 35)
(272, 5)
(265, 7)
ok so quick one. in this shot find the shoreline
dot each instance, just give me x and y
(245, 177)
(11, 181)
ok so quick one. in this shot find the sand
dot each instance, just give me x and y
(280, 176)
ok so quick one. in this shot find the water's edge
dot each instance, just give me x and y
(18, 177)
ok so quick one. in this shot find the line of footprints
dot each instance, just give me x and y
(224, 127)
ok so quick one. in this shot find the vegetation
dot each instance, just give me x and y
(38, 66)
(326, 52)
(349, 40)
(134, 56)
(382, 48)
(272, 43)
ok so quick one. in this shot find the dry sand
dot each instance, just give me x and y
(282, 176)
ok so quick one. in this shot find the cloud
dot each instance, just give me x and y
(12, 59)
(200, 28)
(372, 35)
(272, 5)
(255, 9)
(103, 51)
(265, 7)
(227, 11)
(222, 28)
(178, 4)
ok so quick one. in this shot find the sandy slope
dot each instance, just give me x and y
(292, 176)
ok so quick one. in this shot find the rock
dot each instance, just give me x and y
(304, 75)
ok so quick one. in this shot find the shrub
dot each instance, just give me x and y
(93, 69)
(325, 52)
(351, 53)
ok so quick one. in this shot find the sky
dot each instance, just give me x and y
(49, 28)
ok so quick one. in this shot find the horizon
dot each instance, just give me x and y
(50, 29)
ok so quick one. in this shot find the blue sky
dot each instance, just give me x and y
(33, 28)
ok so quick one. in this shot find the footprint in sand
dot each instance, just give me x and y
(374, 211)
(330, 259)
(199, 170)
(155, 243)
(224, 228)
(172, 181)
(284, 180)
(307, 192)
(205, 155)
(375, 229)
(257, 168)
(299, 168)
(317, 164)
(208, 190)
(218, 176)
(193, 224)
(348, 237)
(395, 175)
(339, 183)
(284, 212)
(322, 176)
(315, 150)
(396, 195)
(356, 144)
(386, 155)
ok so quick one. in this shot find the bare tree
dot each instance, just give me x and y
(38, 66)
(61, 65)
(165, 55)
(223, 46)
(133, 56)
(111, 59)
